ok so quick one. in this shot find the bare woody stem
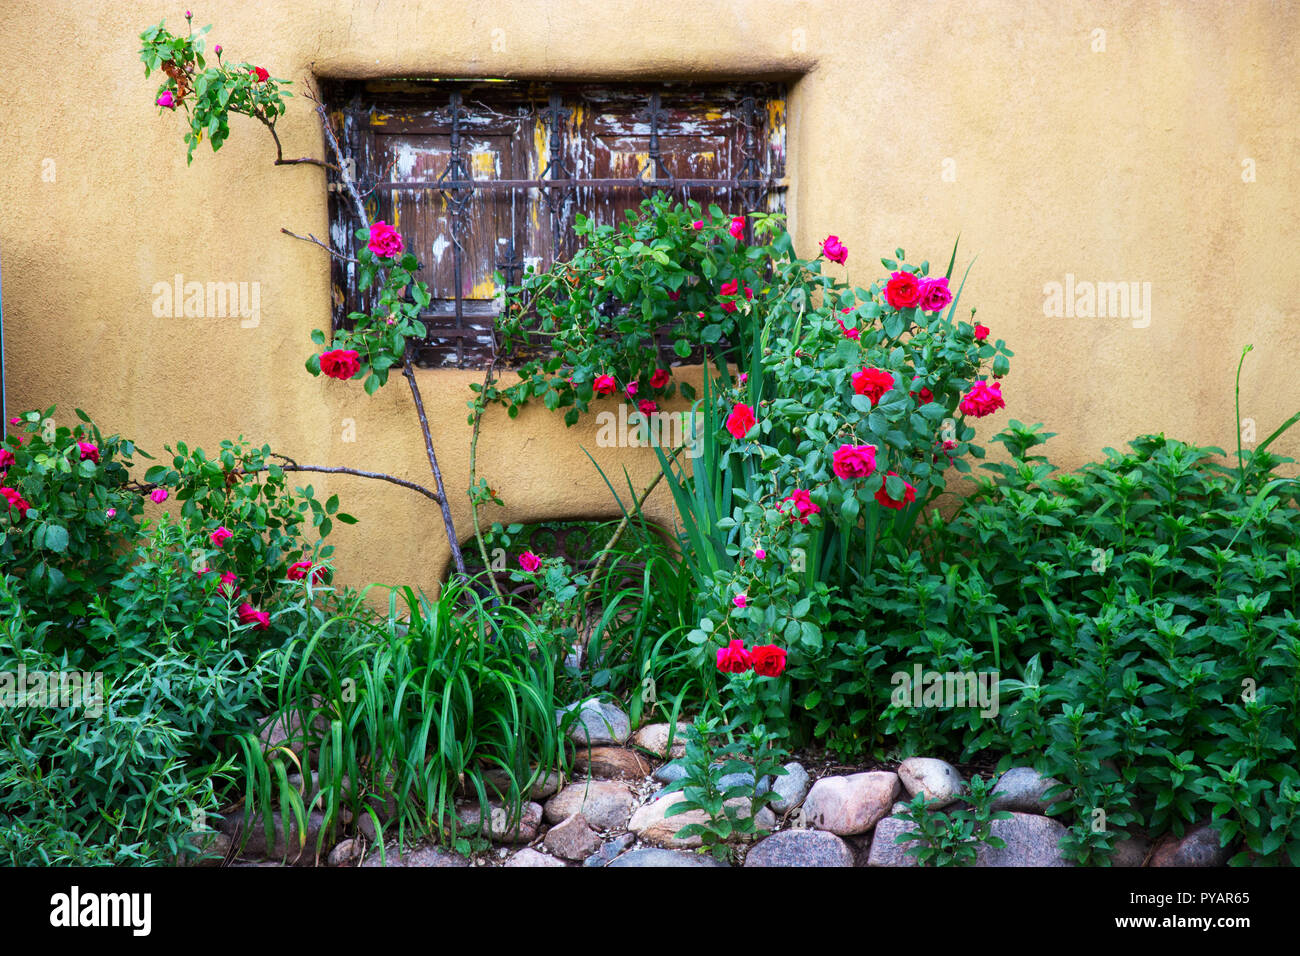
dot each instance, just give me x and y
(349, 184)
(291, 465)
(480, 408)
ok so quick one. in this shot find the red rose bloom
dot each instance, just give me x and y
(935, 294)
(385, 241)
(740, 421)
(981, 333)
(604, 385)
(734, 659)
(660, 378)
(261, 74)
(6, 460)
(647, 407)
(251, 615)
(854, 461)
(834, 250)
(340, 363)
(529, 561)
(882, 496)
(88, 451)
(732, 288)
(14, 501)
(982, 399)
(873, 383)
(737, 228)
(768, 660)
(298, 570)
(903, 290)
(803, 504)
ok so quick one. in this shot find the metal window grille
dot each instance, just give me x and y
(487, 176)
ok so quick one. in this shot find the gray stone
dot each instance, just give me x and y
(654, 738)
(1031, 840)
(1021, 789)
(790, 788)
(610, 763)
(652, 825)
(800, 848)
(345, 853)
(937, 779)
(606, 804)
(530, 857)
(292, 847)
(598, 722)
(500, 828)
(884, 851)
(852, 804)
(610, 850)
(654, 856)
(670, 772)
(1131, 851)
(1197, 848)
(497, 780)
(572, 839)
(744, 778)
(427, 856)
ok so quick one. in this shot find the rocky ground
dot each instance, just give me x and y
(612, 813)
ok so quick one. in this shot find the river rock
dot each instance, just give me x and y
(611, 763)
(530, 857)
(1032, 840)
(427, 856)
(572, 840)
(654, 738)
(937, 779)
(851, 804)
(884, 851)
(790, 788)
(1021, 789)
(1198, 848)
(654, 856)
(800, 848)
(606, 804)
(598, 722)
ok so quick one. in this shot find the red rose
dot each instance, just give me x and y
(340, 363)
(604, 385)
(732, 288)
(882, 496)
(734, 659)
(251, 615)
(873, 383)
(740, 421)
(982, 399)
(261, 74)
(647, 407)
(385, 241)
(15, 501)
(6, 460)
(903, 290)
(924, 396)
(529, 561)
(768, 660)
(88, 451)
(854, 461)
(803, 504)
(673, 296)
(298, 570)
(220, 536)
(660, 378)
(935, 294)
(834, 250)
(737, 227)
(981, 333)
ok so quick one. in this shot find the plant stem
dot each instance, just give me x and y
(408, 371)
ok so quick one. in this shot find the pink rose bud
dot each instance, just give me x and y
(217, 49)
(739, 600)
(111, 512)
(166, 100)
(158, 495)
(697, 224)
(220, 536)
(760, 553)
(529, 561)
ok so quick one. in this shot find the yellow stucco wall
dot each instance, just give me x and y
(1122, 164)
